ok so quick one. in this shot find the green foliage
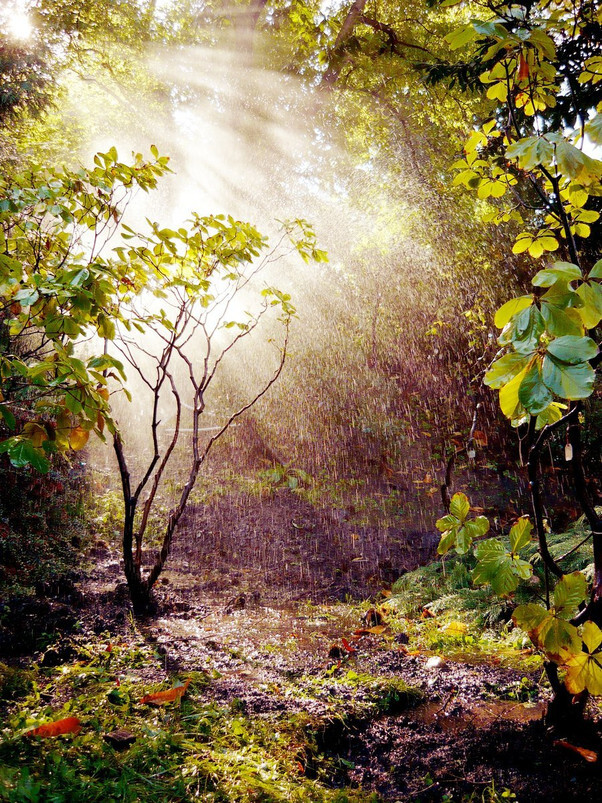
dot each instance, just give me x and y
(500, 568)
(551, 629)
(56, 289)
(457, 531)
(284, 475)
(552, 185)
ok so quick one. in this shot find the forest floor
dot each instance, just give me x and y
(379, 714)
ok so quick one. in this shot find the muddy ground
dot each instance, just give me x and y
(257, 595)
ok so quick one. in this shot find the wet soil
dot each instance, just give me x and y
(260, 616)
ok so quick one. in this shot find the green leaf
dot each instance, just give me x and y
(446, 523)
(573, 350)
(548, 632)
(510, 309)
(8, 417)
(499, 568)
(461, 36)
(531, 152)
(568, 381)
(459, 506)
(21, 452)
(532, 393)
(591, 311)
(570, 591)
(464, 539)
(520, 534)
(596, 271)
(526, 329)
(560, 321)
(448, 540)
(477, 527)
(564, 271)
(509, 401)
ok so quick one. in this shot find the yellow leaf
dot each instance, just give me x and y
(78, 438)
(584, 669)
(509, 403)
(36, 433)
(456, 629)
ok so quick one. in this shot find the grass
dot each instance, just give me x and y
(194, 750)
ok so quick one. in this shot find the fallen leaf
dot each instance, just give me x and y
(347, 646)
(169, 696)
(456, 629)
(57, 728)
(480, 438)
(588, 755)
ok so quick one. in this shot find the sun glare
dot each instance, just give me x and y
(19, 25)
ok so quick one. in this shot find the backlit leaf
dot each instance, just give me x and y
(459, 506)
(510, 309)
(520, 534)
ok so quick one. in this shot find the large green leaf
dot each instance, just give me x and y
(596, 271)
(573, 350)
(499, 568)
(531, 152)
(591, 311)
(509, 401)
(547, 631)
(527, 327)
(532, 393)
(560, 271)
(561, 321)
(447, 541)
(477, 526)
(21, 452)
(446, 523)
(568, 381)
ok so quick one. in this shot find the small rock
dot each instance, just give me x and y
(435, 662)
(120, 739)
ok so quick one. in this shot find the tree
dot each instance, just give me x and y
(531, 162)
(197, 274)
(60, 285)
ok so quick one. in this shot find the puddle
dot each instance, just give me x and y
(456, 716)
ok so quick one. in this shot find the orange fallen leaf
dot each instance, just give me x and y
(57, 728)
(426, 614)
(347, 646)
(588, 755)
(480, 438)
(169, 696)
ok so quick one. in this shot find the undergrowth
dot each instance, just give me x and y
(446, 585)
(192, 749)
